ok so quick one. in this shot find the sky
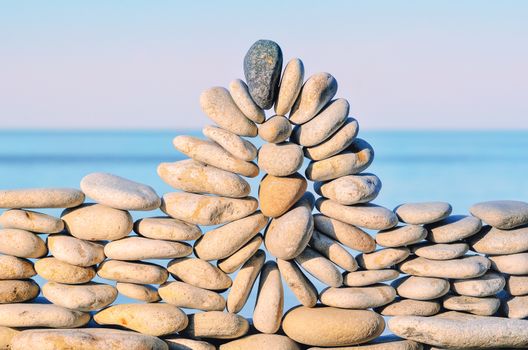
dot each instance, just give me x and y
(437, 64)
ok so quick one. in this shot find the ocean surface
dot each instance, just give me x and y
(458, 167)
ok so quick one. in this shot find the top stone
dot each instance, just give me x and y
(504, 215)
(41, 198)
(262, 68)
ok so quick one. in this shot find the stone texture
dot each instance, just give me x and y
(85, 297)
(381, 344)
(216, 325)
(336, 143)
(495, 241)
(31, 221)
(290, 86)
(278, 194)
(400, 236)
(351, 189)
(346, 234)
(75, 251)
(463, 268)
(17, 291)
(232, 143)
(21, 243)
(369, 277)
(421, 288)
(320, 267)
(261, 342)
(453, 228)
(167, 229)
(478, 306)
(267, 314)
(276, 129)
(188, 296)
(333, 251)
(6, 335)
(142, 292)
(132, 272)
(369, 216)
(13, 268)
(410, 307)
(358, 298)
(188, 344)
(440, 251)
(41, 315)
(140, 248)
(516, 307)
(280, 159)
(423, 213)
(41, 198)
(244, 281)
(199, 273)
(316, 92)
(236, 260)
(299, 284)
(383, 258)
(55, 270)
(240, 94)
(489, 284)
(514, 264)
(517, 285)
(502, 214)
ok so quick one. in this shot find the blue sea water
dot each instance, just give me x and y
(459, 167)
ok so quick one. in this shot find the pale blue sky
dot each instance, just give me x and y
(142, 64)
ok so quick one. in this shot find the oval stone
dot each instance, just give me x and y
(278, 194)
(369, 216)
(13, 268)
(261, 342)
(244, 281)
(85, 297)
(423, 213)
(494, 241)
(382, 343)
(316, 92)
(75, 251)
(333, 251)
(132, 272)
(187, 296)
(336, 143)
(41, 198)
(320, 267)
(216, 325)
(6, 336)
(31, 221)
(440, 251)
(240, 94)
(21, 243)
(517, 285)
(453, 228)
(516, 307)
(140, 248)
(477, 306)
(467, 267)
(421, 288)
(41, 315)
(143, 292)
(350, 189)
(280, 159)
(401, 236)
(188, 344)
(53, 269)
(346, 234)
(276, 129)
(232, 143)
(513, 264)
(489, 284)
(502, 214)
(368, 277)
(299, 284)
(410, 307)
(235, 261)
(290, 86)
(267, 314)
(383, 258)
(167, 229)
(17, 291)
(358, 298)
(199, 273)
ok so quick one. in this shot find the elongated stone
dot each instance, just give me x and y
(516, 307)
(278, 194)
(410, 307)
(401, 236)
(440, 251)
(235, 261)
(240, 94)
(333, 251)
(276, 129)
(316, 92)
(188, 296)
(177, 343)
(467, 267)
(21, 243)
(351, 236)
(358, 298)
(513, 264)
(421, 288)
(234, 144)
(351, 189)
(502, 214)
(75, 251)
(477, 306)
(487, 285)
(85, 297)
(167, 229)
(336, 143)
(140, 248)
(320, 267)
(13, 268)
(517, 285)
(369, 277)
(31, 221)
(453, 228)
(17, 291)
(132, 272)
(41, 198)
(383, 258)
(244, 281)
(143, 292)
(216, 325)
(199, 273)
(495, 241)
(290, 86)
(55, 270)
(280, 159)
(298, 283)
(423, 213)
(261, 342)
(390, 343)
(41, 315)
(369, 216)
(267, 315)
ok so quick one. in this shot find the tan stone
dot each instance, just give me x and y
(261, 342)
(232, 143)
(348, 235)
(516, 307)
(478, 306)
(235, 261)
(320, 267)
(410, 307)
(281, 159)
(53, 269)
(290, 86)
(333, 251)
(383, 258)
(140, 248)
(489, 284)
(132, 272)
(495, 241)
(13, 268)
(369, 277)
(299, 284)
(6, 336)
(467, 267)
(421, 288)
(513, 264)
(316, 92)
(84, 297)
(350, 189)
(199, 273)
(41, 198)
(423, 212)
(31, 221)
(242, 98)
(267, 315)
(369, 216)
(276, 129)
(143, 292)
(441, 251)
(17, 291)
(167, 229)
(400, 236)
(278, 194)
(75, 251)
(217, 325)
(244, 281)
(453, 228)
(337, 143)
(41, 315)
(502, 214)
(188, 344)
(389, 344)
(188, 296)
(517, 285)
(358, 298)
(21, 243)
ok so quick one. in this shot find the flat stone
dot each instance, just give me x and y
(207, 210)
(299, 284)
(495, 241)
(463, 268)
(333, 251)
(350, 189)
(219, 106)
(240, 94)
(31, 221)
(267, 314)
(383, 258)
(85, 297)
(132, 272)
(262, 69)
(6, 336)
(369, 277)
(75, 251)
(477, 306)
(335, 327)
(153, 319)
(199, 273)
(280, 159)
(369, 216)
(143, 292)
(13, 268)
(421, 288)
(353, 160)
(440, 251)
(316, 92)
(236, 260)
(502, 214)
(320, 267)
(166, 228)
(119, 193)
(21, 243)
(276, 129)
(336, 143)
(54, 270)
(226, 240)
(290, 86)
(410, 307)
(261, 342)
(513, 264)
(516, 307)
(489, 284)
(17, 291)
(358, 298)
(423, 212)
(41, 198)
(401, 236)
(517, 285)
(453, 228)
(379, 344)
(188, 296)
(188, 344)
(97, 222)
(140, 248)
(217, 325)
(244, 281)
(278, 194)
(234, 144)
(41, 315)
(348, 235)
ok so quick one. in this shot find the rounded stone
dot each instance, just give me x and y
(299, 284)
(84, 297)
(188, 344)
(369, 277)
(421, 288)
(132, 272)
(517, 285)
(400, 236)
(516, 307)
(244, 281)
(21, 243)
(350, 189)
(261, 342)
(358, 298)
(41, 198)
(349, 235)
(166, 228)
(232, 143)
(278, 194)
(240, 94)
(13, 268)
(316, 92)
(41, 315)
(280, 159)
(423, 213)
(276, 129)
(54, 270)
(513, 264)
(320, 267)
(143, 292)
(216, 325)
(6, 336)
(31, 221)
(75, 251)
(290, 86)
(17, 291)
(383, 258)
(267, 314)
(463, 268)
(140, 248)
(504, 214)
(336, 143)
(477, 306)
(199, 273)
(489, 284)
(236, 260)
(387, 343)
(333, 251)
(495, 241)
(453, 228)
(188, 296)
(369, 216)
(440, 251)
(410, 307)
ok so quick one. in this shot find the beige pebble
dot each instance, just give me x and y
(333, 251)
(383, 258)
(466, 267)
(244, 281)
(199, 273)
(513, 264)
(320, 267)
(242, 98)
(278, 194)
(235, 261)
(400, 236)
(276, 129)
(232, 143)
(517, 285)
(453, 228)
(440, 251)
(350, 189)
(41, 315)
(97, 222)
(140, 248)
(516, 307)
(267, 315)
(336, 143)
(358, 298)
(410, 307)
(495, 241)
(290, 86)
(31, 221)
(386, 344)
(369, 216)
(6, 336)
(369, 277)
(188, 344)
(351, 236)
(75, 251)
(217, 325)
(478, 306)
(84, 297)
(153, 319)
(299, 284)
(17, 291)
(132, 272)
(261, 342)
(143, 292)
(421, 288)
(423, 212)
(211, 153)
(41, 198)
(487, 285)
(21, 243)
(502, 214)
(281, 159)
(316, 92)
(188, 296)
(53, 269)
(167, 229)
(207, 210)
(226, 240)
(13, 268)
(220, 107)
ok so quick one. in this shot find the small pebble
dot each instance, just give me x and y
(517, 285)
(513, 264)
(41, 198)
(178, 343)
(216, 325)
(278, 194)
(333, 251)
(350, 236)
(31, 221)
(281, 159)
(142, 292)
(299, 284)
(41, 315)
(199, 273)
(487, 285)
(358, 298)
(383, 258)
(75, 251)
(132, 272)
(13, 268)
(54, 270)
(516, 307)
(400, 236)
(232, 143)
(188, 296)
(440, 251)
(453, 228)
(421, 288)
(502, 214)
(336, 143)
(240, 94)
(410, 307)
(290, 86)
(316, 92)
(267, 314)
(351, 189)
(261, 342)
(235, 261)
(167, 229)
(494, 241)
(423, 213)
(477, 306)
(320, 267)
(369, 277)
(140, 248)
(463, 268)
(21, 243)
(17, 291)
(84, 297)
(276, 129)
(244, 281)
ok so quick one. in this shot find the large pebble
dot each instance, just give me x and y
(13, 268)
(240, 93)
(278, 194)
(369, 277)
(383, 258)
(358, 298)
(31, 221)
(217, 325)
(516, 307)
(387, 343)
(517, 285)
(487, 285)
(234, 144)
(401, 236)
(188, 296)
(453, 228)
(290, 86)
(421, 288)
(261, 342)
(335, 143)
(75, 251)
(41, 198)
(267, 314)
(41, 315)
(502, 214)
(333, 251)
(467, 267)
(21, 243)
(328, 326)
(276, 129)
(177, 343)
(316, 92)
(152, 319)
(494, 241)
(199, 273)
(440, 251)
(280, 159)
(477, 306)
(140, 248)
(143, 292)
(219, 106)
(120, 193)
(369, 216)
(320, 267)
(244, 281)
(85, 297)
(351, 189)
(423, 212)
(410, 307)
(346, 234)
(97, 222)
(17, 291)
(513, 264)
(235, 261)
(132, 272)
(299, 284)
(167, 229)
(55, 270)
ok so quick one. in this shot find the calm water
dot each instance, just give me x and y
(458, 167)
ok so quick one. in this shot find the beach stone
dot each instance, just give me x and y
(383, 258)
(369, 216)
(516, 307)
(421, 288)
(244, 281)
(31, 221)
(206, 210)
(280, 159)
(226, 240)
(261, 342)
(132, 272)
(463, 268)
(240, 94)
(358, 298)
(17, 291)
(13, 268)
(517, 285)
(75, 251)
(453, 228)
(84, 297)
(199, 273)
(140, 248)
(440, 251)
(400, 236)
(410, 307)
(188, 344)
(276, 129)
(423, 213)
(336, 143)
(55, 270)
(489, 284)
(316, 92)
(320, 267)
(219, 106)
(85, 339)
(234, 144)
(348, 235)
(278, 194)
(216, 325)
(369, 277)
(21, 243)
(299, 284)
(119, 193)
(153, 319)
(353, 160)
(188, 296)
(333, 251)
(166, 228)
(235, 261)
(267, 314)
(478, 306)
(290, 86)
(504, 215)
(335, 327)
(97, 222)
(6, 336)
(41, 198)
(378, 344)
(495, 241)
(350, 189)
(262, 69)
(143, 292)
(41, 315)
(513, 264)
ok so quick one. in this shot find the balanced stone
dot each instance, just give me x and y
(140, 248)
(320, 267)
(234, 144)
(351, 189)
(120, 193)
(421, 288)
(262, 69)
(335, 143)
(199, 273)
(280, 159)
(55, 270)
(244, 281)
(401, 236)
(513, 264)
(517, 285)
(85, 297)
(463, 268)
(75, 251)
(502, 214)
(478, 306)
(277, 129)
(41, 315)
(316, 92)
(487, 285)
(278, 194)
(21, 243)
(383, 258)
(219, 106)
(516, 307)
(453, 228)
(290, 86)
(369, 277)
(346, 234)
(358, 298)
(153, 319)
(240, 94)
(132, 272)
(188, 296)
(31, 221)
(177, 343)
(389, 343)
(267, 314)
(410, 307)
(207, 210)
(261, 342)
(333, 251)
(13, 268)
(17, 291)
(423, 213)
(217, 325)
(369, 216)
(299, 284)
(143, 292)
(235, 261)
(97, 222)
(440, 251)
(167, 229)
(41, 198)
(494, 241)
